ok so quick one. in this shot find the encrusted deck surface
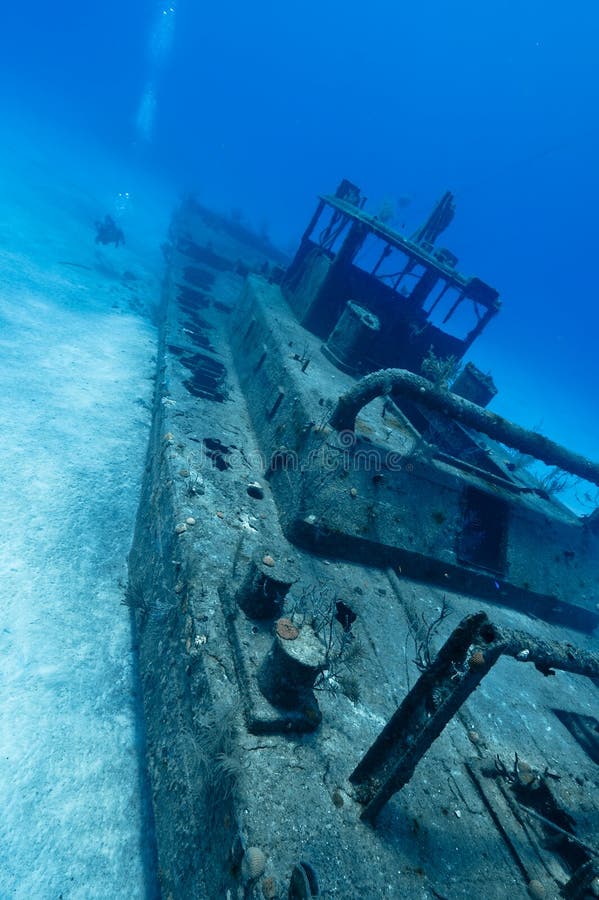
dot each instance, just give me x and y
(229, 771)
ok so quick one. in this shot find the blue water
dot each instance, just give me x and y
(260, 106)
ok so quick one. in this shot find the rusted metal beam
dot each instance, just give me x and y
(462, 662)
(412, 249)
(435, 698)
(422, 391)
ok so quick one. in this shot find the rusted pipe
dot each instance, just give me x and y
(424, 392)
(547, 655)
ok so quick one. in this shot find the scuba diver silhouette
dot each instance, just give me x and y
(108, 232)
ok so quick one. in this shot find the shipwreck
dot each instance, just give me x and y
(364, 621)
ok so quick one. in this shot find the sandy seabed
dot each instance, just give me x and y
(77, 359)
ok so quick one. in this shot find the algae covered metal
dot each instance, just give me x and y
(335, 543)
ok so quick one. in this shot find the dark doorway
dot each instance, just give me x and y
(482, 540)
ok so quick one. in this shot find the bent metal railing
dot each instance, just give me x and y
(462, 662)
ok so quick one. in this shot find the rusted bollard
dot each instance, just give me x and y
(265, 587)
(291, 666)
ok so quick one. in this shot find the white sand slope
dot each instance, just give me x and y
(76, 370)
